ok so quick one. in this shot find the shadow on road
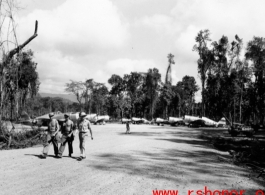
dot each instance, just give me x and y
(173, 165)
(140, 134)
(199, 143)
(176, 164)
(40, 155)
(36, 155)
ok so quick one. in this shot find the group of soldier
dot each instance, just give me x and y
(68, 130)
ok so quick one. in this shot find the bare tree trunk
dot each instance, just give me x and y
(9, 141)
(8, 58)
(90, 103)
(203, 96)
(166, 114)
(234, 111)
(11, 110)
(240, 107)
(121, 112)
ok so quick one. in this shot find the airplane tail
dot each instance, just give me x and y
(222, 122)
(24, 116)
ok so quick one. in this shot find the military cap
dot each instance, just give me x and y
(66, 115)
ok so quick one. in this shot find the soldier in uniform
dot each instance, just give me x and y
(84, 127)
(53, 128)
(67, 136)
(127, 127)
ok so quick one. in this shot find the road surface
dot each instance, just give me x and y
(150, 158)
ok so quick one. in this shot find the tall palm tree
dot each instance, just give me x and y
(168, 75)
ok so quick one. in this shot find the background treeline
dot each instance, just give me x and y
(133, 95)
(232, 78)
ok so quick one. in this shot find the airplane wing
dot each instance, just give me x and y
(203, 122)
(100, 119)
(91, 117)
(175, 121)
(209, 122)
(222, 122)
(136, 119)
(187, 119)
(145, 121)
(161, 121)
(44, 119)
(124, 120)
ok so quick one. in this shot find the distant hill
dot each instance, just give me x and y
(69, 97)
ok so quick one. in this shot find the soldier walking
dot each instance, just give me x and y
(127, 128)
(84, 127)
(67, 136)
(53, 128)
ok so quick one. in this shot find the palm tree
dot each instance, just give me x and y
(168, 75)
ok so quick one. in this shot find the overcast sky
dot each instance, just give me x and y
(83, 39)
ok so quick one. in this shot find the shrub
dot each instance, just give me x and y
(10, 139)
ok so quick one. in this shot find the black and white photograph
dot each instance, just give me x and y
(135, 97)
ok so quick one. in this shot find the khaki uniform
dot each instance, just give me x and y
(83, 127)
(67, 137)
(51, 133)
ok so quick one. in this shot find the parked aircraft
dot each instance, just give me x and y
(145, 121)
(174, 121)
(222, 122)
(187, 119)
(199, 121)
(100, 119)
(209, 122)
(136, 120)
(124, 120)
(25, 119)
(161, 121)
(44, 120)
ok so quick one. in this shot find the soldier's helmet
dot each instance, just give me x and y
(51, 114)
(82, 114)
(66, 115)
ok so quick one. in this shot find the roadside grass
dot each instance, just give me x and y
(243, 150)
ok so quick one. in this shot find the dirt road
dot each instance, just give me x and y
(151, 157)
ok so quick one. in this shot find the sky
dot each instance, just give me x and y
(93, 39)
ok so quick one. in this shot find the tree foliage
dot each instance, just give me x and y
(14, 63)
(205, 59)
(231, 84)
(78, 88)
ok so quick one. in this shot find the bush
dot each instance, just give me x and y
(22, 139)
